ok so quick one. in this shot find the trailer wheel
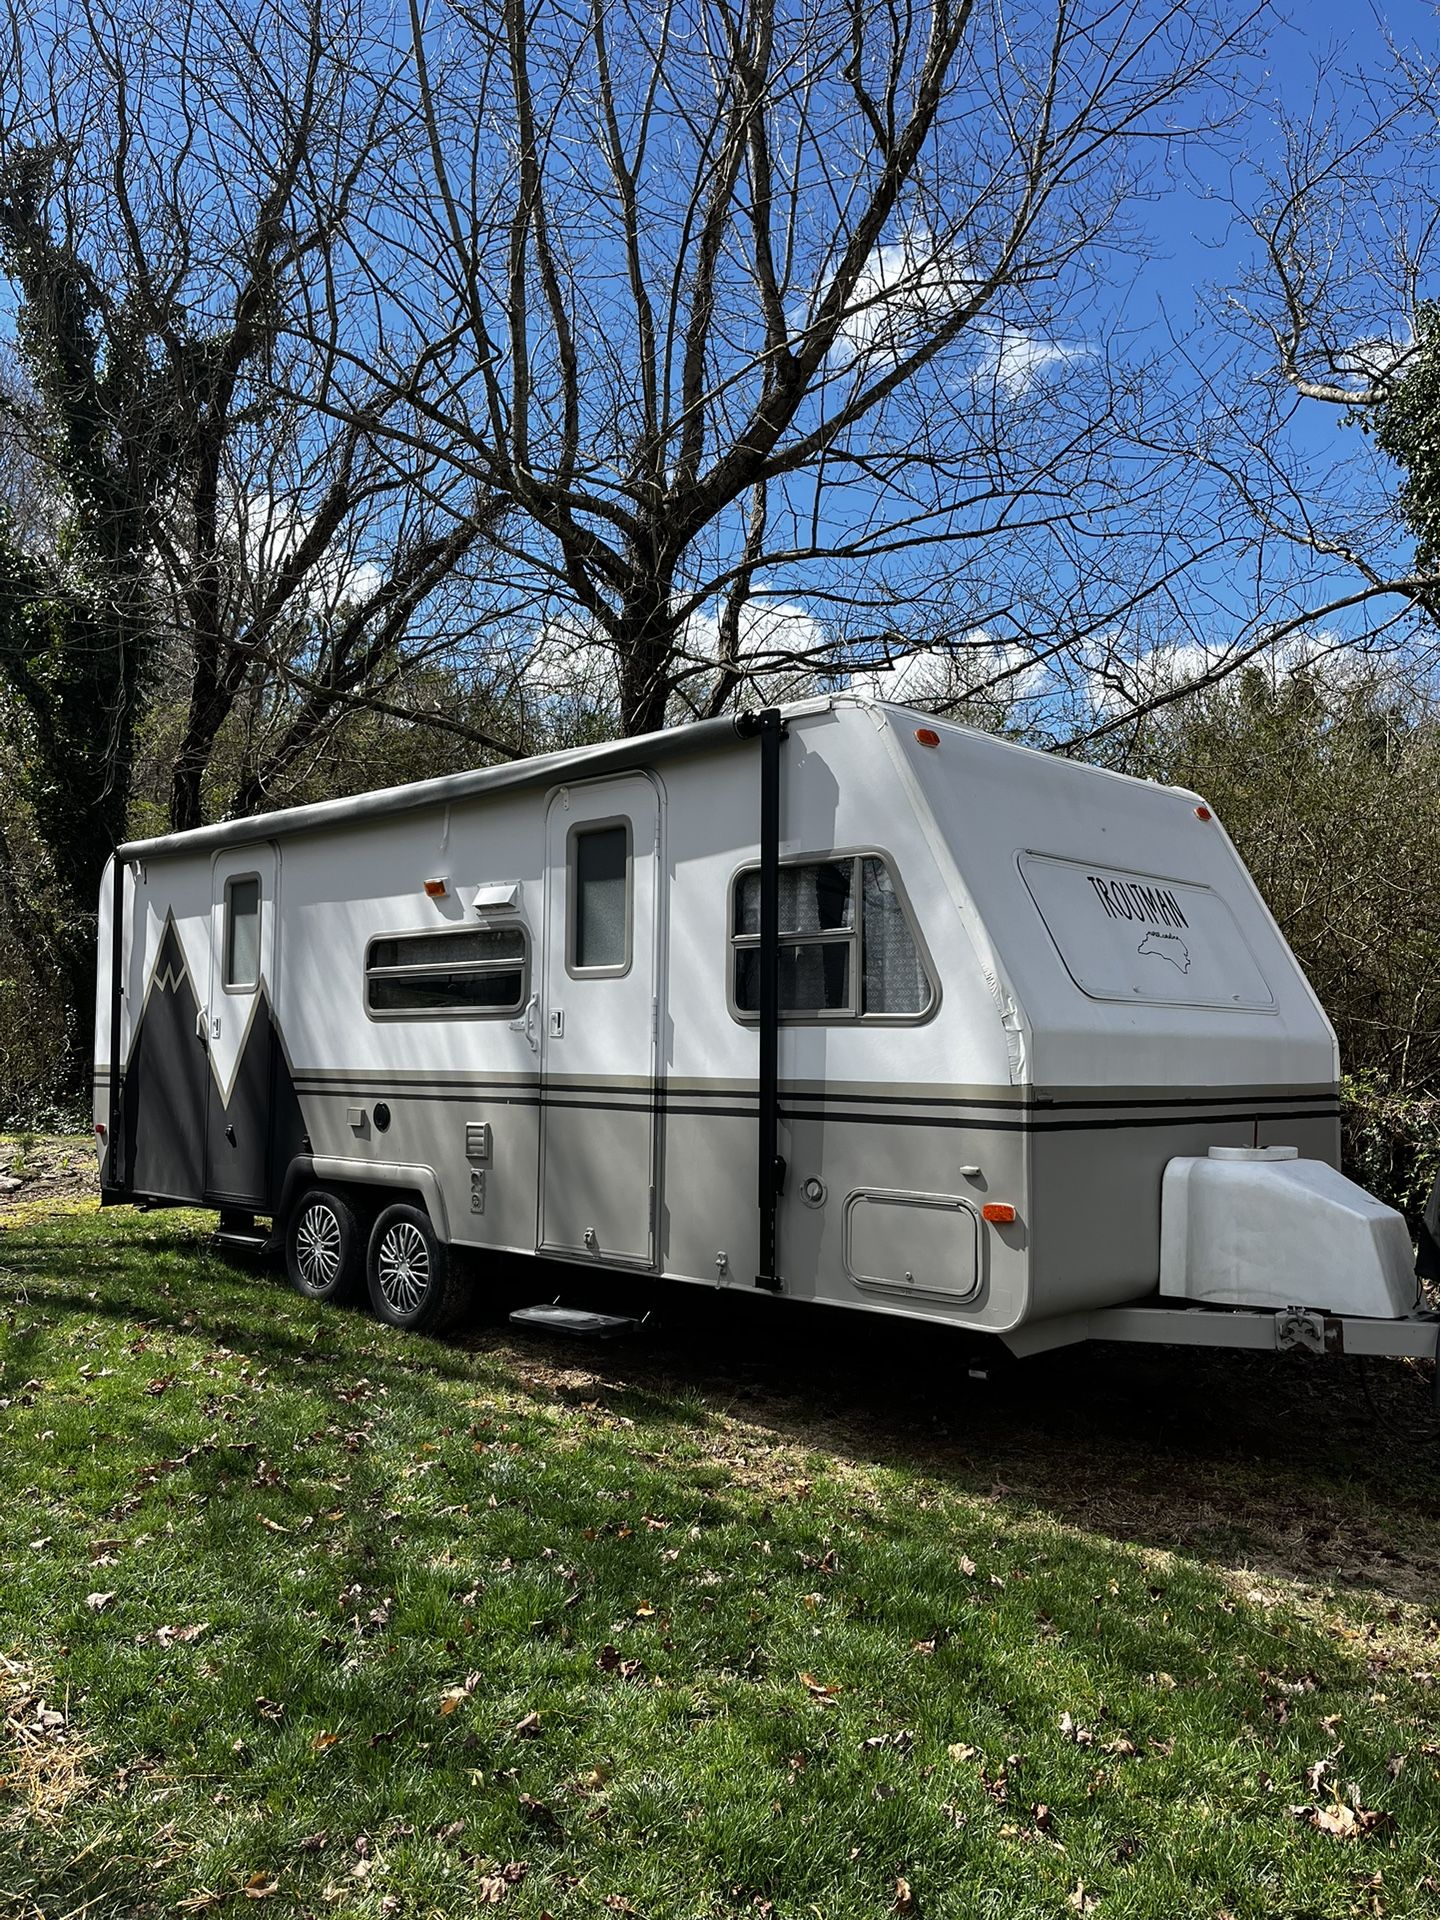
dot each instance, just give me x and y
(411, 1279)
(324, 1246)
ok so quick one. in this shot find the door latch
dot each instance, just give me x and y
(557, 1023)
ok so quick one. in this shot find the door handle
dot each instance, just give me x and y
(526, 1023)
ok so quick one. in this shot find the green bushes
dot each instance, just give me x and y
(1390, 1142)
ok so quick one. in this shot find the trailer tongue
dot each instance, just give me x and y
(1260, 1248)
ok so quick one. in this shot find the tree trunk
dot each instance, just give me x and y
(646, 650)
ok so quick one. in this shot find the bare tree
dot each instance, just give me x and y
(776, 322)
(1300, 373)
(175, 186)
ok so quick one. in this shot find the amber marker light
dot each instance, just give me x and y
(999, 1213)
(927, 736)
(1202, 812)
(435, 889)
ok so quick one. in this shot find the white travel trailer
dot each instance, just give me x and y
(841, 1001)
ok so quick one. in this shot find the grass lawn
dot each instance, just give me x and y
(756, 1616)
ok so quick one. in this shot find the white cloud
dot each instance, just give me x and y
(267, 532)
(1015, 359)
(1117, 685)
(905, 290)
(931, 676)
(910, 287)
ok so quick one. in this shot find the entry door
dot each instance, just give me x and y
(237, 1025)
(599, 1026)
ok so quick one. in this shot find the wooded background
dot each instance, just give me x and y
(380, 398)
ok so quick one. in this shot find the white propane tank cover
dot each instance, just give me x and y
(1260, 1227)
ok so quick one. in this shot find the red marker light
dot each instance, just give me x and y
(927, 736)
(435, 889)
(1202, 812)
(999, 1213)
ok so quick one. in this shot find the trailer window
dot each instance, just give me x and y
(847, 947)
(475, 970)
(242, 931)
(600, 899)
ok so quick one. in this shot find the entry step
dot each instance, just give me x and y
(575, 1321)
(229, 1241)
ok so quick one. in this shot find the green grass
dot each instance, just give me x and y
(573, 1634)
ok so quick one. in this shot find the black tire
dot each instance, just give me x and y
(324, 1246)
(410, 1274)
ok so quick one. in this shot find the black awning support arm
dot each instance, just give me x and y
(769, 728)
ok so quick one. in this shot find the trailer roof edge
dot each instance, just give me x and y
(544, 769)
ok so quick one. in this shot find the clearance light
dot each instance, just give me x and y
(99, 1129)
(1202, 812)
(435, 889)
(998, 1213)
(927, 736)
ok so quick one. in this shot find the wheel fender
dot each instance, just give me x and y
(390, 1174)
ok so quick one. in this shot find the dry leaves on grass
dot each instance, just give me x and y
(44, 1757)
(904, 1897)
(495, 1887)
(451, 1698)
(1344, 1822)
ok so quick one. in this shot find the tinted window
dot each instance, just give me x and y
(472, 970)
(242, 933)
(600, 933)
(846, 943)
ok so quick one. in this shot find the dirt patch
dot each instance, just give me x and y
(45, 1758)
(48, 1171)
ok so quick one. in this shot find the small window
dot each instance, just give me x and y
(847, 948)
(473, 970)
(600, 899)
(242, 932)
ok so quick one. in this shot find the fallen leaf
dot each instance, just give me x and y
(904, 1898)
(529, 1724)
(961, 1753)
(268, 1709)
(1343, 1822)
(1079, 1901)
(1072, 1730)
(817, 1688)
(260, 1886)
(97, 1602)
(967, 1566)
(322, 1741)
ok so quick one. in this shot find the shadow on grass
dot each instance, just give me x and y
(1322, 1470)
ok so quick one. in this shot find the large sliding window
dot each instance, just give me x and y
(474, 970)
(848, 948)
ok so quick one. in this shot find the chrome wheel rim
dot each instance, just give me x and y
(402, 1267)
(317, 1247)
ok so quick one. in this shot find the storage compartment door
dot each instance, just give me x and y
(599, 1033)
(913, 1243)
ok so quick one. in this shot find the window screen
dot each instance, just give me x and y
(599, 921)
(242, 932)
(472, 970)
(834, 962)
